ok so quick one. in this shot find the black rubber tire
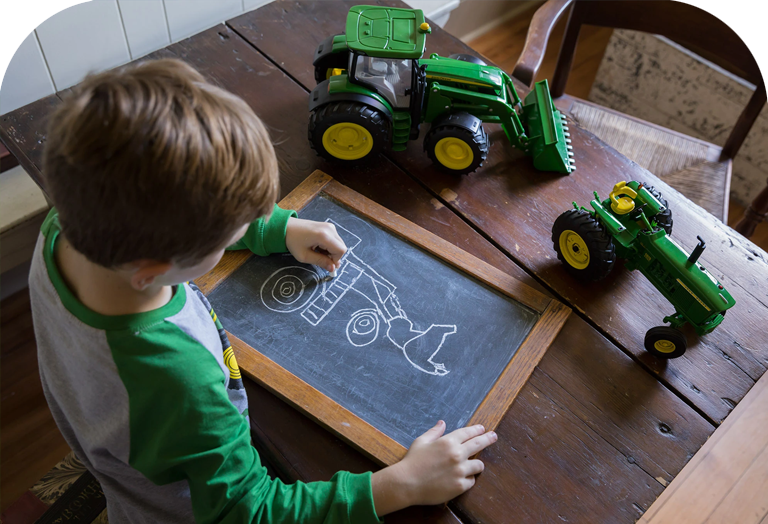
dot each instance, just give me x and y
(477, 141)
(373, 120)
(664, 218)
(667, 333)
(602, 254)
(467, 58)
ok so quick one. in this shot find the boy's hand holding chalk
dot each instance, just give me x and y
(315, 243)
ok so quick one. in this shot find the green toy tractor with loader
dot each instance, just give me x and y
(374, 90)
(635, 224)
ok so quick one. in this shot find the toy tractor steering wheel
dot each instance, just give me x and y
(622, 198)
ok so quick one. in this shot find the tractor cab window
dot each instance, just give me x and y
(390, 77)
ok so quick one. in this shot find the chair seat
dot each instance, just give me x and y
(690, 165)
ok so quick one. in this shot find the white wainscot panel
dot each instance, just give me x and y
(84, 38)
(145, 25)
(26, 78)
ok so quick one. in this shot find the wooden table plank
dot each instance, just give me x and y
(23, 132)
(718, 369)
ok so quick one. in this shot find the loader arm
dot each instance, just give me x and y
(488, 108)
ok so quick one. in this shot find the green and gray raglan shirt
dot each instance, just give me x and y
(154, 405)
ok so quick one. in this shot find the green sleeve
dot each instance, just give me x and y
(184, 427)
(265, 237)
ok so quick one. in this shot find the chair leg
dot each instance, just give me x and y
(754, 214)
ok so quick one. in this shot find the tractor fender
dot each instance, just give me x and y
(460, 119)
(320, 97)
(326, 48)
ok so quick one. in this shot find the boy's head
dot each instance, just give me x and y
(151, 162)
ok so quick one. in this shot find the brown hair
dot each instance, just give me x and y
(151, 161)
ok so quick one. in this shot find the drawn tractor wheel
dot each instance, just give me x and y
(289, 289)
(348, 131)
(665, 342)
(663, 218)
(363, 327)
(467, 58)
(583, 245)
(456, 150)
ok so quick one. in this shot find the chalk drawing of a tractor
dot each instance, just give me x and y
(295, 288)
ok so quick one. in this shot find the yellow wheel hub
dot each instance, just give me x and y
(664, 346)
(454, 153)
(347, 141)
(574, 249)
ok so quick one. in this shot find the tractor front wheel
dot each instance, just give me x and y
(348, 131)
(583, 245)
(456, 150)
(665, 342)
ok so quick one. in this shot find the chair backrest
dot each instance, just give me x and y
(687, 25)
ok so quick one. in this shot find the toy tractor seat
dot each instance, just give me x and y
(622, 199)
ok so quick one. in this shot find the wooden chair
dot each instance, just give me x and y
(698, 169)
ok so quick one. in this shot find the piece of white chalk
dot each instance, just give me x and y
(332, 274)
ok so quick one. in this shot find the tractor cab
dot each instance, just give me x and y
(385, 44)
(392, 78)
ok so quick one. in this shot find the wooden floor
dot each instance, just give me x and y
(30, 443)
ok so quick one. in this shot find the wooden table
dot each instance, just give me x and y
(601, 427)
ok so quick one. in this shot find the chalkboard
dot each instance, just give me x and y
(399, 338)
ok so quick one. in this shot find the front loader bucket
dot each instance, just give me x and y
(549, 139)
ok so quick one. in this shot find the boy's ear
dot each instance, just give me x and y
(146, 272)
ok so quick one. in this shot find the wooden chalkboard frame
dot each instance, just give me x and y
(340, 420)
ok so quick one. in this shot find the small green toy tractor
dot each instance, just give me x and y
(374, 90)
(635, 224)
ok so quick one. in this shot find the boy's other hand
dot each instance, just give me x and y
(436, 469)
(315, 243)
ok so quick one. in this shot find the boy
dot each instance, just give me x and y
(154, 172)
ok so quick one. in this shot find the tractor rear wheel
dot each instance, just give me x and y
(583, 245)
(665, 342)
(348, 131)
(663, 218)
(456, 150)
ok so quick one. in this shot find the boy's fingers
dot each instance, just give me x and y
(334, 246)
(467, 483)
(434, 433)
(479, 443)
(462, 435)
(473, 467)
(318, 259)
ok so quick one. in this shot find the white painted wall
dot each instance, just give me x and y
(27, 77)
(102, 34)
